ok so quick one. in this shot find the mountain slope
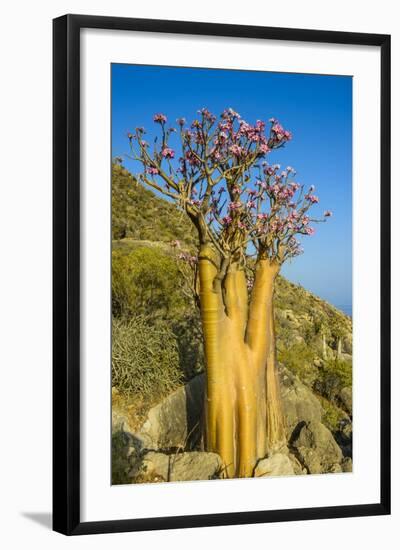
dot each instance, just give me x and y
(314, 339)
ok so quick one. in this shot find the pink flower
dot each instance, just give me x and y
(152, 171)
(192, 158)
(260, 125)
(207, 115)
(181, 121)
(251, 204)
(268, 171)
(310, 231)
(262, 184)
(176, 244)
(312, 198)
(216, 155)
(278, 130)
(234, 205)
(168, 153)
(236, 150)
(226, 220)
(279, 133)
(230, 113)
(264, 148)
(328, 213)
(160, 118)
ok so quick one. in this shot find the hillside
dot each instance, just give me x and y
(157, 342)
(139, 214)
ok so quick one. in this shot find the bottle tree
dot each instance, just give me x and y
(247, 213)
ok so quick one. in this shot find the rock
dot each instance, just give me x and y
(335, 469)
(344, 437)
(298, 469)
(120, 421)
(195, 465)
(345, 398)
(177, 467)
(289, 315)
(276, 465)
(318, 362)
(316, 448)
(299, 402)
(175, 422)
(348, 344)
(152, 467)
(347, 464)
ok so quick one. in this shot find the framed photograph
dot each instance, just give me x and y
(221, 274)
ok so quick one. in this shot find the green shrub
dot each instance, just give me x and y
(332, 415)
(299, 359)
(145, 359)
(145, 281)
(138, 213)
(334, 375)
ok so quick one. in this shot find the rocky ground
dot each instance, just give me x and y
(158, 360)
(167, 446)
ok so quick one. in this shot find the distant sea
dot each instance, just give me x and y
(348, 310)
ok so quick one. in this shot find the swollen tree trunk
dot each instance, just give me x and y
(243, 417)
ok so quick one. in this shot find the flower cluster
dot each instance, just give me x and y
(160, 118)
(222, 176)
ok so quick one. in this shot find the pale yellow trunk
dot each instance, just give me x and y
(243, 419)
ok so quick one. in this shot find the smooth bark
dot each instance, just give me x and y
(243, 417)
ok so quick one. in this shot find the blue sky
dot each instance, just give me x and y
(317, 109)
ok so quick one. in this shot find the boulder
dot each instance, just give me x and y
(299, 402)
(347, 464)
(345, 398)
(190, 466)
(175, 423)
(120, 421)
(298, 468)
(344, 437)
(277, 465)
(316, 448)
(348, 344)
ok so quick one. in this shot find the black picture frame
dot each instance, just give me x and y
(66, 273)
